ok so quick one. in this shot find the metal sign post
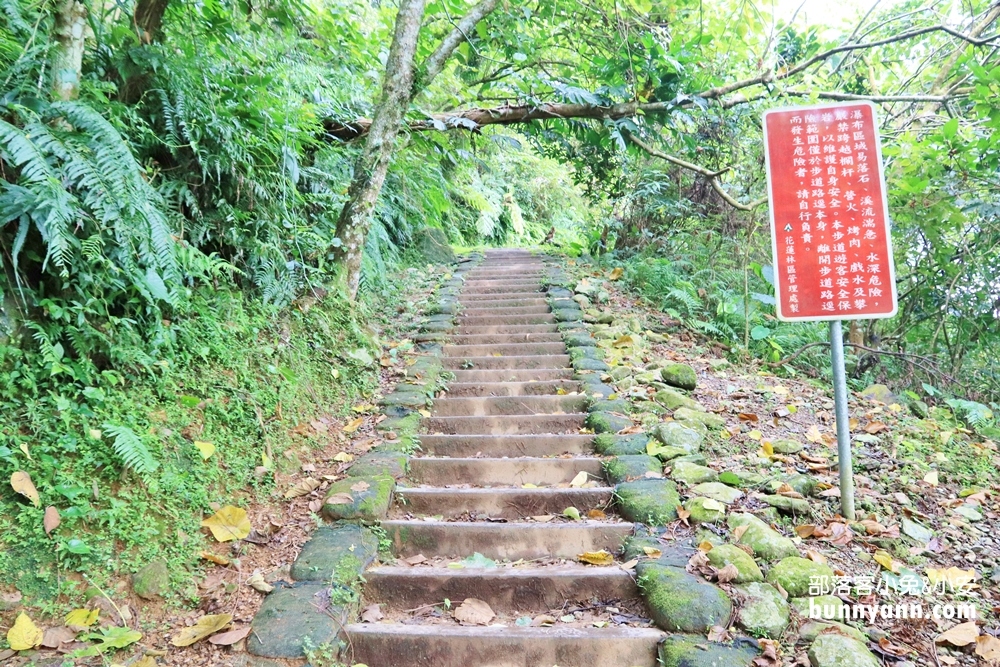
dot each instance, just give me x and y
(830, 232)
(843, 421)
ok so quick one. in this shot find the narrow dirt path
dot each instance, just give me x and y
(480, 514)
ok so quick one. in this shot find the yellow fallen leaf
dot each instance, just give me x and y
(652, 552)
(624, 341)
(580, 479)
(426, 414)
(229, 523)
(755, 435)
(713, 505)
(705, 546)
(24, 448)
(988, 647)
(354, 425)
(343, 457)
(953, 577)
(81, 619)
(24, 635)
(945, 436)
(145, 661)
(885, 560)
(766, 448)
(601, 557)
(813, 434)
(205, 626)
(51, 519)
(616, 273)
(206, 449)
(960, 635)
(20, 481)
(931, 478)
(303, 488)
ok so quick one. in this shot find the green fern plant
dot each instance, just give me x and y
(134, 454)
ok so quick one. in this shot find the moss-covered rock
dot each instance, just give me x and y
(810, 631)
(567, 314)
(151, 581)
(820, 607)
(337, 553)
(699, 418)
(632, 466)
(804, 484)
(604, 405)
(675, 400)
(369, 499)
(681, 602)
(691, 473)
(679, 375)
(705, 510)
(577, 353)
(794, 574)
(652, 501)
(765, 542)
(764, 611)
(610, 444)
(290, 616)
(381, 462)
(432, 244)
(717, 491)
(729, 554)
(607, 422)
(786, 505)
(668, 453)
(831, 649)
(786, 446)
(579, 340)
(690, 651)
(590, 365)
(678, 435)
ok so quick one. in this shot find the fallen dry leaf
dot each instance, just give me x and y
(215, 558)
(738, 532)
(360, 487)
(51, 519)
(372, 614)
(596, 514)
(257, 583)
(303, 488)
(21, 482)
(988, 647)
(55, 637)
(354, 425)
(601, 557)
(960, 635)
(229, 523)
(206, 625)
(340, 499)
(24, 635)
(474, 612)
(579, 480)
(728, 573)
(652, 552)
(230, 637)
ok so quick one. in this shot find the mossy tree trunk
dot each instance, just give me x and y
(70, 32)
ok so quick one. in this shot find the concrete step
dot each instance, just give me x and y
(505, 424)
(504, 589)
(502, 472)
(469, 310)
(501, 296)
(541, 388)
(505, 349)
(504, 541)
(506, 339)
(517, 329)
(513, 375)
(494, 320)
(405, 645)
(479, 406)
(480, 280)
(500, 503)
(506, 445)
(504, 288)
(525, 362)
(525, 302)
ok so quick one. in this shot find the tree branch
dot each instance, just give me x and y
(712, 176)
(460, 33)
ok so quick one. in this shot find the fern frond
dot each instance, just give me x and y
(132, 451)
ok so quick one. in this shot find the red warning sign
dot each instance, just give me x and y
(829, 216)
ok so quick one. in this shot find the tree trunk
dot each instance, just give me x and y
(370, 169)
(148, 19)
(70, 31)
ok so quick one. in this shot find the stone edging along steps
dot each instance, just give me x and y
(486, 503)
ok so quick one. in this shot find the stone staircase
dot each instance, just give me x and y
(493, 478)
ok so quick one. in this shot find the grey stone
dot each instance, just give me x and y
(689, 651)
(915, 530)
(679, 375)
(336, 553)
(674, 400)
(786, 446)
(794, 506)
(610, 444)
(765, 542)
(678, 435)
(708, 420)
(652, 501)
(742, 479)
(764, 611)
(794, 574)
(382, 462)
(811, 630)
(432, 244)
(728, 554)
(604, 405)
(879, 392)
(680, 601)
(151, 581)
(831, 649)
(704, 510)
(290, 615)
(633, 466)
(607, 422)
(825, 607)
(691, 473)
(590, 365)
(804, 484)
(368, 505)
(717, 491)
